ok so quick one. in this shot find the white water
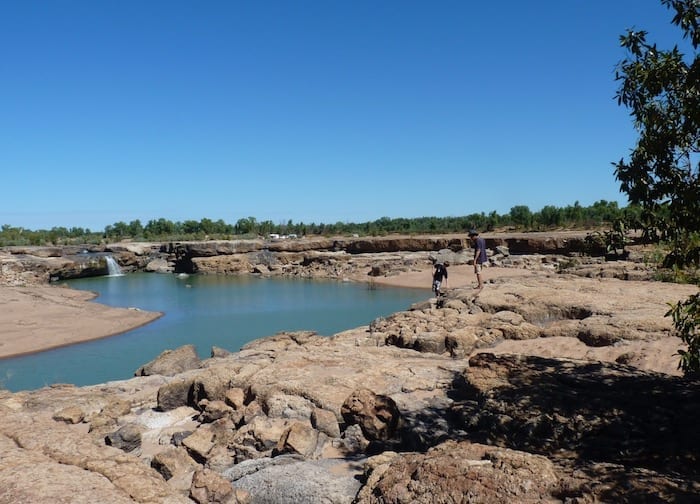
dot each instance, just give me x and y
(113, 268)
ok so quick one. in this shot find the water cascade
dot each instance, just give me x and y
(113, 268)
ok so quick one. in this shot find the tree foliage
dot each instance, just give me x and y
(662, 176)
(662, 90)
(520, 218)
(686, 319)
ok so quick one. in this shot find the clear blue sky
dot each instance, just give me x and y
(309, 110)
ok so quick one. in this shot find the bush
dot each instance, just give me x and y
(686, 321)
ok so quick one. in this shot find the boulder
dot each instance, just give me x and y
(376, 414)
(325, 421)
(171, 362)
(298, 438)
(459, 472)
(200, 442)
(176, 393)
(127, 438)
(287, 479)
(208, 487)
(159, 265)
(70, 414)
(173, 462)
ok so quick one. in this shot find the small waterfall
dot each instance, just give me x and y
(113, 268)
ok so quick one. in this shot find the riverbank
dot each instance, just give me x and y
(36, 316)
(43, 317)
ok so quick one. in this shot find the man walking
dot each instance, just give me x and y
(479, 255)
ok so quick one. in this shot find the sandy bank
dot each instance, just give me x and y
(38, 318)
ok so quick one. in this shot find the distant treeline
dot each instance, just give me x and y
(519, 218)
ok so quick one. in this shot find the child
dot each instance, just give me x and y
(439, 273)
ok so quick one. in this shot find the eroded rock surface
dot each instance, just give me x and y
(533, 390)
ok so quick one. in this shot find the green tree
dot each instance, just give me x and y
(246, 226)
(190, 227)
(550, 216)
(159, 228)
(135, 229)
(521, 216)
(662, 90)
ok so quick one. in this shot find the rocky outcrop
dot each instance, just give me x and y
(611, 315)
(306, 257)
(460, 471)
(420, 406)
(578, 410)
(477, 400)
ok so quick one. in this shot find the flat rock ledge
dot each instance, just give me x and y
(456, 401)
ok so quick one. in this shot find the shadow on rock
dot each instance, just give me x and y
(582, 411)
(610, 432)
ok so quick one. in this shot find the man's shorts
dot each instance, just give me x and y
(477, 267)
(436, 285)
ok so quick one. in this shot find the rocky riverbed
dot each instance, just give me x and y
(556, 383)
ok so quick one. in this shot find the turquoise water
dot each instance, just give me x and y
(206, 311)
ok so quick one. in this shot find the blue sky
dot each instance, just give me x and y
(310, 110)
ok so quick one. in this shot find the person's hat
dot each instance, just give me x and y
(473, 232)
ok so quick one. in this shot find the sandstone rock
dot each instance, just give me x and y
(208, 487)
(221, 457)
(173, 462)
(159, 266)
(64, 462)
(377, 415)
(136, 248)
(219, 352)
(261, 433)
(175, 394)
(433, 342)
(36, 251)
(298, 438)
(211, 383)
(251, 411)
(71, 414)
(373, 469)
(127, 438)
(107, 417)
(287, 480)
(463, 472)
(199, 443)
(228, 265)
(280, 405)
(354, 440)
(379, 270)
(461, 342)
(325, 421)
(42, 481)
(215, 410)
(171, 362)
(235, 397)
